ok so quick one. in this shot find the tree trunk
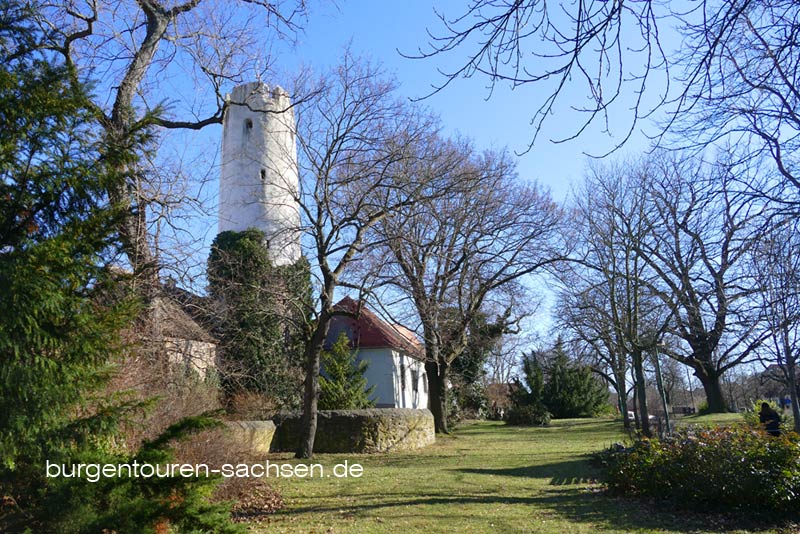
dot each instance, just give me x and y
(310, 399)
(313, 354)
(437, 395)
(791, 369)
(709, 378)
(622, 399)
(132, 222)
(641, 393)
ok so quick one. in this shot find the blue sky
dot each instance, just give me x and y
(377, 30)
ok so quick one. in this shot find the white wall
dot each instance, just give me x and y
(381, 374)
(413, 391)
(259, 177)
(393, 374)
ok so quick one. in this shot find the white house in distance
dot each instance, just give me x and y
(395, 356)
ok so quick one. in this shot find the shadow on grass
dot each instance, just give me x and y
(573, 504)
(559, 473)
(630, 514)
(582, 506)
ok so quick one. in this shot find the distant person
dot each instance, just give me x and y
(770, 419)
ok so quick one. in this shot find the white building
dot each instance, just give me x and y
(259, 179)
(395, 356)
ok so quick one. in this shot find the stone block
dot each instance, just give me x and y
(251, 437)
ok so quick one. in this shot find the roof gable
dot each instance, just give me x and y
(176, 323)
(370, 331)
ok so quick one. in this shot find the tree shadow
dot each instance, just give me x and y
(599, 508)
(559, 473)
(594, 510)
(594, 506)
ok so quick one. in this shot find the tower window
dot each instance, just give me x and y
(263, 175)
(248, 123)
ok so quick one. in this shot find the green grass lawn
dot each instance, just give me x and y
(712, 419)
(486, 477)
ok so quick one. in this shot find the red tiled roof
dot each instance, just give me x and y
(370, 331)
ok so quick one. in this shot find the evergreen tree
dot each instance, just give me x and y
(342, 383)
(63, 311)
(572, 390)
(534, 380)
(527, 406)
(262, 308)
(54, 335)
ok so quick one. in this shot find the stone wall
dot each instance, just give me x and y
(360, 431)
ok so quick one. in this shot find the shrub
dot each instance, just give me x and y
(716, 468)
(170, 395)
(531, 415)
(129, 503)
(703, 408)
(253, 498)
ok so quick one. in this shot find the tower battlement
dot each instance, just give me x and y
(259, 96)
(259, 176)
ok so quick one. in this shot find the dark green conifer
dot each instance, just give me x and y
(63, 310)
(342, 383)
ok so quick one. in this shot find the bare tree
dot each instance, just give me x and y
(584, 316)
(606, 299)
(741, 71)
(453, 254)
(612, 49)
(701, 234)
(776, 260)
(162, 64)
(503, 363)
(732, 77)
(354, 137)
(673, 375)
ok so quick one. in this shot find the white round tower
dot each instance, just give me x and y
(259, 181)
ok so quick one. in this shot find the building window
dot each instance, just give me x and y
(248, 128)
(415, 381)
